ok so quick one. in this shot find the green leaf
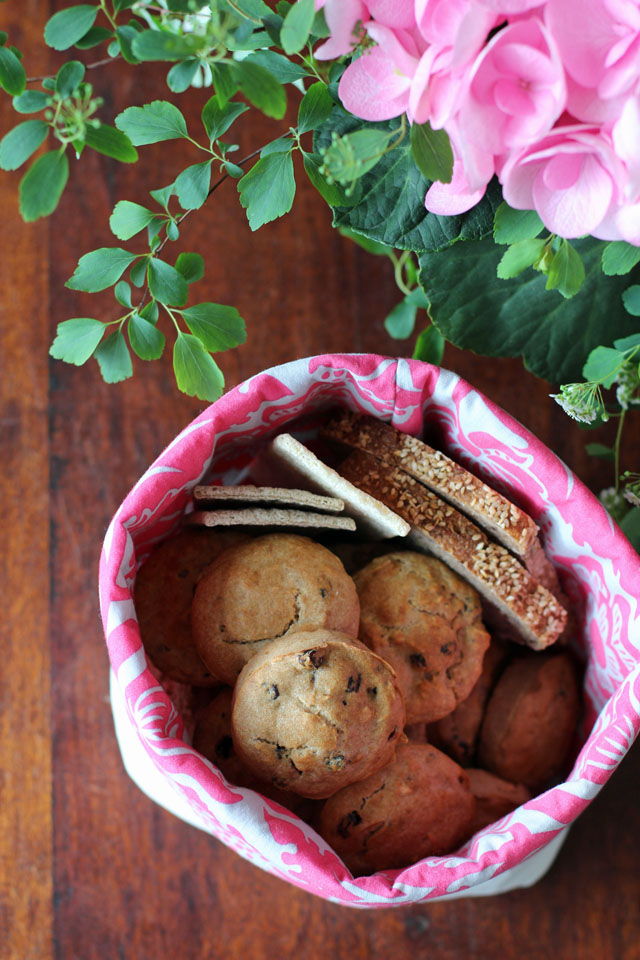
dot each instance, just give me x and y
(315, 108)
(124, 44)
(163, 45)
(18, 145)
(281, 145)
(627, 343)
(192, 185)
(4, 36)
(566, 271)
(146, 340)
(224, 83)
(267, 191)
(152, 123)
(12, 75)
(94, 38)
(333, 193)
(601, 451)
(150, 312)
(371, 246)
(391, 207)
(261, 88)
(114, 358)
(180, 76)
(191, 266)
(431, 150)
(69, 77)
(619, 257)
(631, 300)
(70, 25)
(476, 311)
(297, 26)
(233, 170)
(173, 231)
(31, 101)
(282, 69)
(512, 226)
(100, 269)
(77, 339)
(519, 256)
(42, 185)
(138, 272)
(602, 365)
(350, 157)
(197, 373)
(217, 120)
(166, 284)
(122, 293)
(111, 142)
(630, 526)
(401, 321)
(429, 346)
(162, 195)
(217, 326)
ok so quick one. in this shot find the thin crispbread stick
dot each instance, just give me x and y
(270, 517)
(440, 529)
(248, 493)
(371, 515)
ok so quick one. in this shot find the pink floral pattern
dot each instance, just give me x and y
(596, 563)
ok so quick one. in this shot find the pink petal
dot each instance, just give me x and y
(628, 222)
(447, 199)
(511, 98)
(562, 171)
(393, 13)
(342, 16)
(578, 210)
(365, 82)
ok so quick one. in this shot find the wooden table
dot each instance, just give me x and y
(89, 867)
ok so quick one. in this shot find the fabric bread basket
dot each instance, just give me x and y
(598, 568)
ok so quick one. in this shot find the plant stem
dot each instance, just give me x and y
(89, 66)
(398, 266)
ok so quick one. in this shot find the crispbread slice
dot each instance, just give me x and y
(512, 527)
(250, 494)
(371, 514)
(270, 517)
(443, 531)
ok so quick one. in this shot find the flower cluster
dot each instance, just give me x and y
(546, 95)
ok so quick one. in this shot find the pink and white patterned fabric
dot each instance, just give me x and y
(598, 567)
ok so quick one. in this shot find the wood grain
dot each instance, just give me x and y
(91, 869)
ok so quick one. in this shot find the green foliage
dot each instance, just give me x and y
(619, 258)
(429, 346)
(191, 266)
(192, 185)
(69, 77)
(261, 88)
(519, 256)
(152, 123)
(432, 153)
(129, 218)
(114, 358)
(197, 373)
(296, 26)
(602, 365)
(163, 45)
(100, 269)
(31, 101)
(166, 284)
(566, 270)
(514, 226)
(631, 300)
(20, 143)
(147, 342)
(217, 120)
(12, 75)
(42, 185)
(400, 322)
(76, 340)
(69, 25)
(630, 526)
(268, 190)
(315, 108)
(218, 327)
(111, 142)
(181, 76)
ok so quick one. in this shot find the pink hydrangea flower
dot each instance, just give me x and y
(572, 177)
(516, 89)
(342, 18)
(473, 168)
(399, 14)
(377, 85)
(599, 41)
(626, 141)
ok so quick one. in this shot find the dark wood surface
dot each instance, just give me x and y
(90, 869)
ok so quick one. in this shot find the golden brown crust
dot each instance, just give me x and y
(457, 733)
(440, 529)
(418, 806)
(424, 620)
(264, 589)
(510, 525)
(530, 719)
(315, 712)
(163, 593)
(494, 797)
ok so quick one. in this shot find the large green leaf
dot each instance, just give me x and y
(391, 208)
(476, 311)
